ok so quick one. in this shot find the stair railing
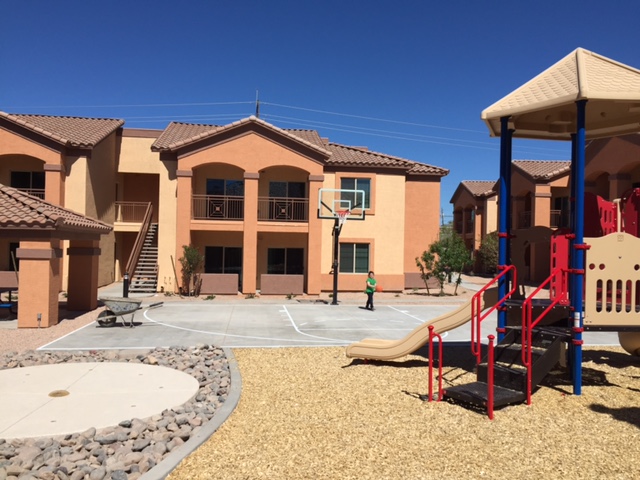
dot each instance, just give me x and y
(432, 336)
(528, 323)
(139, 243)
(476, 309)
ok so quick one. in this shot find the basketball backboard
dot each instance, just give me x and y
(331, 201)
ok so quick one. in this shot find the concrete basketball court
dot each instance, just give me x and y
(269, 325)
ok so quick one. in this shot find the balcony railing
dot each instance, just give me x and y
(36, 192)
(283, 209)
(132, 212)
(219, 207)
(559, 219)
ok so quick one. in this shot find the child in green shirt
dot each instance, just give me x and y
(371, 288)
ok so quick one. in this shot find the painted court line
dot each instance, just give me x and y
(193, 330)
(64, 336)
(295, 327)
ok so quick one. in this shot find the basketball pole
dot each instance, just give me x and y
(336, 245)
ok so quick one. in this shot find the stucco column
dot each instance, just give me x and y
(38, 284)
(619, 183)
(54, 177)
(479, 227)
(250, 234)
(541, 208)
(183, 217)
(82, 293)
(314, 238)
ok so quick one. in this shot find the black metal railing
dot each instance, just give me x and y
(283, 209)
(217, 207)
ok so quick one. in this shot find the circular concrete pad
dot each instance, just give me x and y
(99, 395)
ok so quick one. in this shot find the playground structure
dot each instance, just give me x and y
(594, 281)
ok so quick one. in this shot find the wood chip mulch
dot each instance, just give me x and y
(312, 413)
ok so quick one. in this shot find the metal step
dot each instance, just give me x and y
(477, 393)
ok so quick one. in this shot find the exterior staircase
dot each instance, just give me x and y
(510, 374)
(145, 276)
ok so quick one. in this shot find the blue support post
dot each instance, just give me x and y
(572, 227)
(504, 199)
(578, 264)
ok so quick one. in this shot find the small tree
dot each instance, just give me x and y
(191, 262)
(455, 257)
(444, 258)
(425, 263)
(488, 253)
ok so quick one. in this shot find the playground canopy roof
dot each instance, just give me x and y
(544, 107)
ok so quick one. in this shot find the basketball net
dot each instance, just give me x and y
(342, 216)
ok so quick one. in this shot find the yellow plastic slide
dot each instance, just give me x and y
(380, 349)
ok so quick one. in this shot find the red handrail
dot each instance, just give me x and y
(476, 309)
(432, 336)
(490, 361)
(528, 323)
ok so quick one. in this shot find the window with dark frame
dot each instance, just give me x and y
(354, 258)
(363, 184)
(285, 261)
(224, 260)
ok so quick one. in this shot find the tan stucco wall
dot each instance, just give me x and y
(491, 215)
(136, 157)
(384, 230)
(100, 198)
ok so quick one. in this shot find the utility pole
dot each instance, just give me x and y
(257, 104)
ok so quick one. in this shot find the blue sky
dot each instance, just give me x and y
(407, 78)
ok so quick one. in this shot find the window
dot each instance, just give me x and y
(354, 258)
(285, 261)
(363, 184)
(287, 189)
(284, 202)
(30, 182)
(224, 260)
(217, 186)
(225, 199)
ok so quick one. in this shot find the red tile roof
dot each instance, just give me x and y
(20, 211)
(68, 131)
(344, 156)
(543, 169)
(178, 135)
(480, 188)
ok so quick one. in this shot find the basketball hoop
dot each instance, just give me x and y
(342, 216)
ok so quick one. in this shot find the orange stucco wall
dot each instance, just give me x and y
(422, 200)
(12, 144)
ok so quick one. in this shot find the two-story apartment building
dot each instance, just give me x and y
(244, 194)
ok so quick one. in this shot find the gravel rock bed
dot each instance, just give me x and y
(313, 413)
(128, 450)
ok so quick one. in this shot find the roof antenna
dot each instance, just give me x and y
(257, 104)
